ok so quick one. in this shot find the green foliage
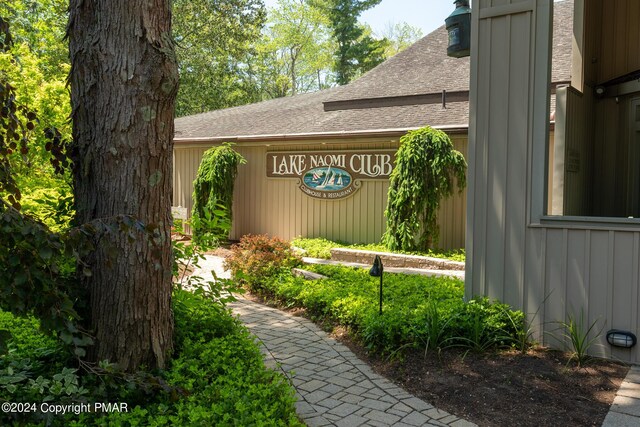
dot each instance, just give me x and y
(321, 248)
(426, 166)
(400, 36)
(213, 192)
(418, 310)
(186, 259)
(580, 335)
(217, 377)
(294, 54)
(318, 247)
(49, 200)
(357, 52)
(214, 39)
(257, 257)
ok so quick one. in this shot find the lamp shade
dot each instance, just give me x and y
(458, 26)
(618, 338)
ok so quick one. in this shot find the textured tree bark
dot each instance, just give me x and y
(124, 81)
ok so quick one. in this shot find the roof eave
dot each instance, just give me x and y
(370, 133)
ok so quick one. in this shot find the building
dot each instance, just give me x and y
(553, 229)
(420, 86)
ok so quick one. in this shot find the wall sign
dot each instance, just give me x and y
(330, 174)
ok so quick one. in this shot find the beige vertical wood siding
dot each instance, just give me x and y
(552, 266)
(277, 206)
(620, 38)
(592, 271)
(510, 62)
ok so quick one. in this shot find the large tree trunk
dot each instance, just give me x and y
(123, 85)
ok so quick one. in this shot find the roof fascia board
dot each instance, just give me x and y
(312, 137)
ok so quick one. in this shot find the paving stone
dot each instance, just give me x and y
(626, 405)
(332, 362)
(302, 373)
(434, 413)
(416, 419)
(333, 417)
(343, 382)
(344, 409)
(388, 419)
(374, 423)
(350, 398)
(375, 404)
(316, 396)
(363, 411)
(312, 385)
(317, 422)
(352, 420)
(633, 375)
(419, 405)
(330, 403)
(629, 389)
(389, 398)
(374, 393)
(615, 419)
(356, 389)
(332, 389)
(448, 420)
(351, 375)
(303, 408)
(401, 414)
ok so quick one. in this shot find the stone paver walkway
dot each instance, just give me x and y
(625, 410)
(333, 386)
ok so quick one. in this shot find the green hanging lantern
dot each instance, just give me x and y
(459, 29)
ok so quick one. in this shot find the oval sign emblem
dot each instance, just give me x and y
(327, 179)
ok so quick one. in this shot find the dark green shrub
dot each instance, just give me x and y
(419, 311)
(217, 377)
(426, 167)
(213, 193)
(258, 257)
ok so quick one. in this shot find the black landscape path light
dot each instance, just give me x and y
(376, 271)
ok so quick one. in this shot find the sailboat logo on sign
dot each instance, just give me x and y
(327, 179)
(330, 175)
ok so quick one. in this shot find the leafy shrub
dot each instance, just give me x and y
(321, 248)
(217, 377)
(418, 311)
(315, 248)
(426, 170)
(257, 257)
(213, 191)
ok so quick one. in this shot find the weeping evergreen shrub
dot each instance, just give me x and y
(213, 193)
(426, 167)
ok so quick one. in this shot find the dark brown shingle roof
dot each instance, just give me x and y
(424, 68)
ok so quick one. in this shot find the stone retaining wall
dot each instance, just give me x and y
(395, 260)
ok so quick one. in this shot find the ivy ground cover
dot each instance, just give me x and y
(418, 311)
(217, 377)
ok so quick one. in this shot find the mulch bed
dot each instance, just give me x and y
(540, 388)
(506, 388)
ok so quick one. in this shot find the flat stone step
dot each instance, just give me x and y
(309, 275)
(395, 260)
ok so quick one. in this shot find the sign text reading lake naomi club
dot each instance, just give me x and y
(330, 174)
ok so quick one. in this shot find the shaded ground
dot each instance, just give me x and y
(536, 389)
